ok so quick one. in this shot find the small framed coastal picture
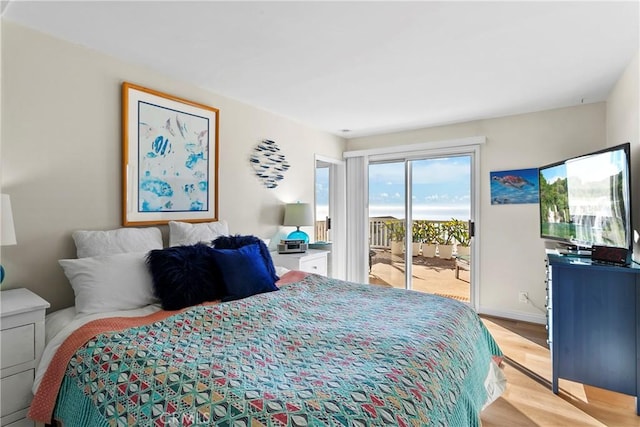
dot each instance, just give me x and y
(169, 158)
(514, 186)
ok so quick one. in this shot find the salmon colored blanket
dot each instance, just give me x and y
(44, 401)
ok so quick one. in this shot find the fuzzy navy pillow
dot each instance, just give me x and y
(243, 272)
(238, 241)
(185, 275)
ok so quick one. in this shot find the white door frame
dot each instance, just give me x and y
(337, 213)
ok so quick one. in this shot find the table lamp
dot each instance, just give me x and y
(297, 215)
(7, 231)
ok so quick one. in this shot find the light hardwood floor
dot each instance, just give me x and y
(528, 400)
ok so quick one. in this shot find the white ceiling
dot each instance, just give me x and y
(371, 67)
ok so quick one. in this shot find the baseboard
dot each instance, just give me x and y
(514, 315)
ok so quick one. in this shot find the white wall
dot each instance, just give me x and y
(512, 253)
(623, 125)
(61, 153)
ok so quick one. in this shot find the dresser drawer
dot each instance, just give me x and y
(16, 392)
(316, 265)
(18, 345)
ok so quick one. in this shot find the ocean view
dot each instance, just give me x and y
(423, 212)
(440, 189)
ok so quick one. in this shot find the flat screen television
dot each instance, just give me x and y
(586, 200)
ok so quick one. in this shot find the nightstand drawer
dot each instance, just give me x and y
(18, 345)
(16, 392)
(316, 265)
(22, 341)
(311, 261)
(25, 422)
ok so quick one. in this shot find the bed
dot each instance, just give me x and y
(316, 352)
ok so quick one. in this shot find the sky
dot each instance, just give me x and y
(441, 189)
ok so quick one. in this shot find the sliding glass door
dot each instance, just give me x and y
(387, 223)
(420, 211)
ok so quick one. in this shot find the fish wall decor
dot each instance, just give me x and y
(268, 163)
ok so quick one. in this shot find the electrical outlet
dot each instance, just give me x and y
(523, 297)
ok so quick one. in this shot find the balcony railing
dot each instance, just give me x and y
(322, 234)
(379, 234)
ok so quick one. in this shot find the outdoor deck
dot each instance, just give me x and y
(432, 275)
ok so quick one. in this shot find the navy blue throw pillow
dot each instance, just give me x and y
(185, 275)
(238, 241)
(243, 272)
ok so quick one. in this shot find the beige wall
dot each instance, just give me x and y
(61, 153)
(60, 162)
(623, 125)
(511, 251)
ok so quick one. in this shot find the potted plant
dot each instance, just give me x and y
(430, 242)
(396, 235)
(460, 231)
(445, 244)
(417, 236)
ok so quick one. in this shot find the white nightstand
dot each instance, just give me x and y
(21, 344)
(311, 261)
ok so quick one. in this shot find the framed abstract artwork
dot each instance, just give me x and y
(169, 158)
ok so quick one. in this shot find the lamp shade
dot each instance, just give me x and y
(7, 230)
(298, 214)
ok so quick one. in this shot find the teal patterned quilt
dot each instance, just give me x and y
(318, 352)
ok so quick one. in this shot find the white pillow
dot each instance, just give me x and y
(121, 240)
(56, 321)
(281, 271)
(110, 282)
(275, 239)
(185, 233)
